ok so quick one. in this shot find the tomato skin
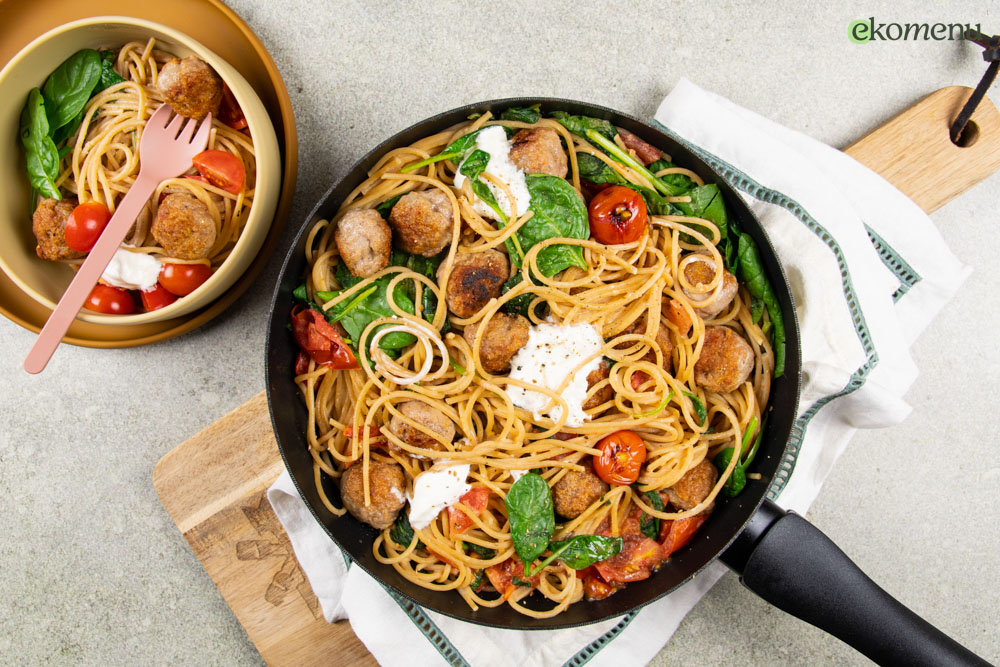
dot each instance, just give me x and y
(182, 279)
(317, 338)
(230, 112)
(85, 224)
(617, 215)
(621, 458)
(221, 169)
(675, 534)
(156, 297)
(502, 576)
(476, 500)
(110, 300)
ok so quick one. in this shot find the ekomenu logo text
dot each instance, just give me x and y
(863, 31)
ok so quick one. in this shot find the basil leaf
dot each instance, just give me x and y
(452, 151)
(70, 85)
(530, 114)
(582, 551)
(751, 274)
(483, 552)
(579, 125)
(699, 407)
(650, 525)
(531, 516)
(559, 213)
(40, 153)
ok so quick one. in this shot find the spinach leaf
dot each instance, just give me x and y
(518, 581)
(579, 125)
(559, 213)
(751, 274)
(472, 167)
(612, 149)
(650, 525)
(531, 516)
(521, 303)
(699, 407)
(595, 170)
(756, 309)
(674, 180)
(482, 552)
(477, 581)
(706, 202)
(452, 151)
(402, 533)
(386, 207)
(109, 77)
(530, 114)
(581, 551)
(40, 153)
(738, 480)
(70, 85)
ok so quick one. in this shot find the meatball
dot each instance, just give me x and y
(364, 242)
(539, 151)
(726, 360)
(605, 393)
(644, 151)
(49, 225)
(423, 222)
(475, 279)
(701, 272)
(184, 227)
(190, 87)
(577, 491)
(386, 486)
(431, 418)
(503, 337)
(694, 486)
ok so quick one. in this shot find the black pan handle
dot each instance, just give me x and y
(790, 563)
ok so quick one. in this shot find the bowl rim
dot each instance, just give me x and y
(257, 214)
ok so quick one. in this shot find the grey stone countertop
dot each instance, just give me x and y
(94, 571)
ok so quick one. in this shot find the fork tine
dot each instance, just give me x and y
(201, 138)
(174, 127)
(188, 132)
(160, 117)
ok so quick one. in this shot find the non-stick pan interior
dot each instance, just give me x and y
(289, 417)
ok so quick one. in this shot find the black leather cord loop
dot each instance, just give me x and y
(990, 55)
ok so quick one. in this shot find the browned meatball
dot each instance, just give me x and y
(577, 491)
(694, 486)
(726, 360)
(49, 225)
(423, 222)
(364, 242)
(701, 272)
(387, 489)
(427, 416)
(475, 278)
(190, 87)
(184, 227)
(605, 393)
(503, 337)
(539, 151)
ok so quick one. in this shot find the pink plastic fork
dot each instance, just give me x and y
(165, 151)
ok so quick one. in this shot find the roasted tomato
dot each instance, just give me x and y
(675, 534)
(595, 588)
(622, 455)
(475, 499)
(638, 558)
(85, 224)
(182, 279)
(617, 215)
(320, 340)
(230, 112)
(109, 300)
(156, 297)
(502, 576)
(221, 169)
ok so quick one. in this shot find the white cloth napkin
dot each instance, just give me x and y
(868, 271)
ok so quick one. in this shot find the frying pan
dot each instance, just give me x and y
(778, 554)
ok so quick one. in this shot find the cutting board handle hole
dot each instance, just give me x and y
(969, 135)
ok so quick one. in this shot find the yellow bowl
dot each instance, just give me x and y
(45, 281)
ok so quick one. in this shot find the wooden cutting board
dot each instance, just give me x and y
(213, 485)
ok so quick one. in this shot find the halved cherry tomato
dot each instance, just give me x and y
(502, 576)
(110, 300)
(182, 279)
(622, 455)
(594, 588)
(617, 215)
(476, 500)
(636, 561)
(675, 534)
(223, 170)
(193, 177)
(302, 363)
(320, 340)
(156, 297)
(230, 112)
(85, 224)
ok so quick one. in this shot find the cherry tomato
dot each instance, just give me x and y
(622, 455)
(617, 215)
(317, 338)
(156, 297)
(85, 224)
(110, 300)
(182, 279)
(221, 169)
(230, 112)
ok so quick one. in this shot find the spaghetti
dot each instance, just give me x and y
(628, 293)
